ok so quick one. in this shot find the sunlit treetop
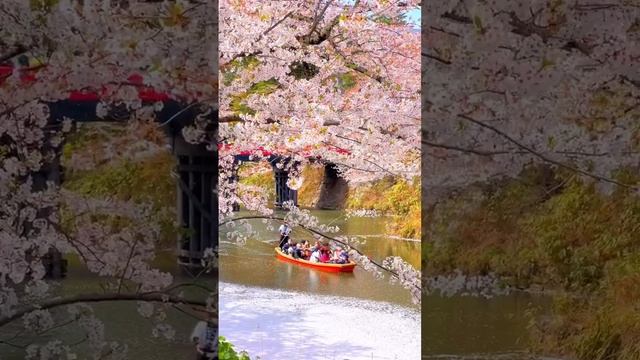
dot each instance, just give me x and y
(307, 75)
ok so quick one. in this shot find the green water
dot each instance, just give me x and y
(122, 322)
(474, 327)
(453, 327)
(255, 263)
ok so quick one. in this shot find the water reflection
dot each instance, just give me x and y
(479, 328)
(122, 322)
(255, 263)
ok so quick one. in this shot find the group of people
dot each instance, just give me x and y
(320, 253)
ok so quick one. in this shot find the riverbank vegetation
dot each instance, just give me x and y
(550, 230)
(226, 351)
(397, 198)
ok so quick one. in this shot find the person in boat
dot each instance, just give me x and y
(284, 231)
(335, 256)
(298, 252)
(315, 256)
(287, 245)
(292, 248)
(306, 249)
(325, 257)
(205, 336)
(343, 258)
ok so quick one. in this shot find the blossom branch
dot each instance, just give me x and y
(92, 298)
(541, 156)
(313, 231)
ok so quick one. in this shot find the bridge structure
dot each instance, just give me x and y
(197, 166)
(281, 165)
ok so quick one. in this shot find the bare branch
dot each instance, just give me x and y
(274, 25)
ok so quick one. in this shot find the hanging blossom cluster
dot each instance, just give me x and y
(366, 263)
(364, 213)
(82, 316)
(407, 276)
(460, 284)
(513, 83)
(100, 243)
(302, 217)
(508, 83)
(53, 349)
(94, 47)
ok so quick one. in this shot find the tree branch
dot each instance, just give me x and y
(313, 231)
(633, 82)
(471, 151)
(274, 25)
(315, 37)
(319, 17)
(355, 66)
(457, 18)
(436, 58)
(541, 156)
(237, 118)
(19, 49)
(92, 298)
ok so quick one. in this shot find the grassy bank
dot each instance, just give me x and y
(395, 197)
(555, 231)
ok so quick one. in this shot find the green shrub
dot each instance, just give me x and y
(226, 351)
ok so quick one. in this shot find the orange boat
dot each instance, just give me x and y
(320, 266)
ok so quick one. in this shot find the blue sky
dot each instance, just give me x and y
(414, 17)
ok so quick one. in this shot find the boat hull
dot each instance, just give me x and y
(318, 266)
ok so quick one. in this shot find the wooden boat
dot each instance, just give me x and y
(316, 265)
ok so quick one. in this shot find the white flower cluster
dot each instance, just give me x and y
(38, 320)
(409, 277)
(164, 330)
(366, 263)
(460, 284)
(94, 330)
(146, 309)
(210, 258)
(52, 350)
(297, 216)
(503, 90)
(366, 213)
(37, 289)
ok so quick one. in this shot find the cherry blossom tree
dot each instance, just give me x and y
(94, 47)
(513, 83)
(330, 80)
